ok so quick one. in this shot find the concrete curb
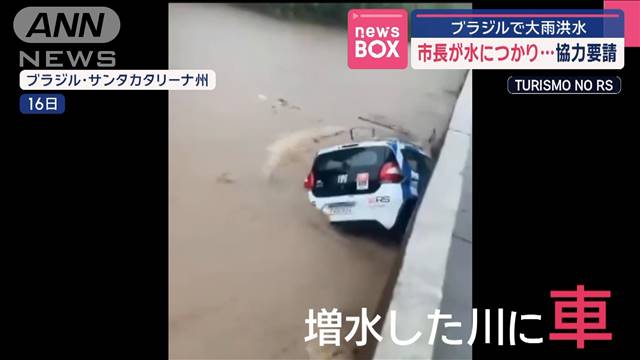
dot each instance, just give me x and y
(419, 287)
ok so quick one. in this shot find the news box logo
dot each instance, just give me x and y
(378, 39)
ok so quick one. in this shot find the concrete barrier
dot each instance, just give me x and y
(419, 287)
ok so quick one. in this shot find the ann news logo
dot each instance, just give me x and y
(378, 39)
(66, 24)
(61, 25)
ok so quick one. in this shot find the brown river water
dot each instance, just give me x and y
(248, 254)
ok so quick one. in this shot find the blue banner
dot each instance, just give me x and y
(503, 23)
(42, 104)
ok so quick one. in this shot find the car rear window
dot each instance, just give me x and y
(336, 172)
(348, 159)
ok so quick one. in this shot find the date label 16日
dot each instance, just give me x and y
(42, 103)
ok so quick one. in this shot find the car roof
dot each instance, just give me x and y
(388, 142)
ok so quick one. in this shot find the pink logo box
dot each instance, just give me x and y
(378, 39)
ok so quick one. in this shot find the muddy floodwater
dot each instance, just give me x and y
(248, 254)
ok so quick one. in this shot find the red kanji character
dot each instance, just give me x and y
(471, 52)
(440, 54)
(424, 52)
(580, 304)
(454, 52)
(486, 57)
(516, 52)
(506, 52)
(532, 48)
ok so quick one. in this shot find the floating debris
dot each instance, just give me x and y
(398, 129)
(225, 178)
(322, 137)
(286, 104)
(435, 144)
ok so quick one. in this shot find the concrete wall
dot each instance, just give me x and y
(421, 280)
(457, 288)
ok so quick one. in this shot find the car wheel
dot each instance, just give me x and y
(400, 227)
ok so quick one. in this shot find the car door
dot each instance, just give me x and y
(420, 171)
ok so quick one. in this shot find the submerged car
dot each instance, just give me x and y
(372, 181)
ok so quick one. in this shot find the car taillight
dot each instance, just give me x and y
(309, 181)
(390, 173)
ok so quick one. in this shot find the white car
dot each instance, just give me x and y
(370, 181)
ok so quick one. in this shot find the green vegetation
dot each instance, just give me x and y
(335, 13)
